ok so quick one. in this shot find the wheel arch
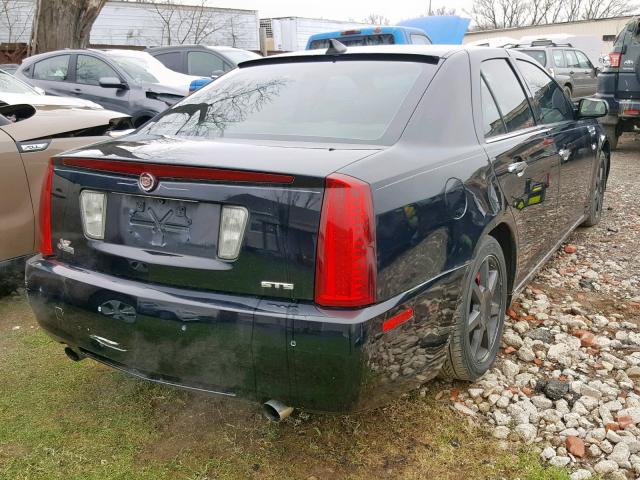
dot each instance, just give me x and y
(505, 236)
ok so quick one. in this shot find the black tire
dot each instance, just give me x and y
(477, 333)
(613, 135)
(567, 91)
(597, 195)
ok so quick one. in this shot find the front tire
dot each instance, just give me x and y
(613, 135)
(480, 316)
(597, 198)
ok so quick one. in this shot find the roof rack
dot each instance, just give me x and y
(543, 42)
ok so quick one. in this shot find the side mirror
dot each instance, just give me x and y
(39, 90)
(592, 108)
(112, 82)
(216, 73)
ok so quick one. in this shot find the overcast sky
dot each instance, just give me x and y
(343, 9)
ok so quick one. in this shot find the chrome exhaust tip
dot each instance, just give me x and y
(276, 411)
(73, 354)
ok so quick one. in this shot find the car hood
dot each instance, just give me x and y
(178, 85)
(50, 121)
(40, 101)
(298, 158)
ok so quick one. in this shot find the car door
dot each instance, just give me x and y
(204, 64)
(52, 75)
(576, 74)
(575, 141)
(525, 160)
(590, 77)
(16, 210)
(89, 70)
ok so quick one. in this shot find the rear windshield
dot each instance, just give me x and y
(539, 55)
(346, 100)
(356, 41)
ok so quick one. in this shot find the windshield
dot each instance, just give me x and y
(237, 56)
(10, 84)
(144, 68)
(349, 101)
(538, 55)
(356, 41)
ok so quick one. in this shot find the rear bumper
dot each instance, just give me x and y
(250, 347)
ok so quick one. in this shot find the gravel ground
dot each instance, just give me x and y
(568, 376)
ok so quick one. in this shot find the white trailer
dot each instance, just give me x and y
(289, 34)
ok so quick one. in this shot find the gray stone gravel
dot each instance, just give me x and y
(567, 379)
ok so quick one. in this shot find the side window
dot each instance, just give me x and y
(558, 58)
(491, 119)
(203, 64)
(171, 60)
(572, 59)
(419, 39)
(583, 60)
(89, 70)
(549, 100)
(54, 68)
(510, 97)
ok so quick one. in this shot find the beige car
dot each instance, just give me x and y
(29, 136)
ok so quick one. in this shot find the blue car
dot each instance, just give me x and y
(371, 36)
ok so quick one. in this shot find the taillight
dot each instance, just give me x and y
(614, 59)
(346, 256)
(44, 214)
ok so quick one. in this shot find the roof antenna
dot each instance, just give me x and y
(335, 47)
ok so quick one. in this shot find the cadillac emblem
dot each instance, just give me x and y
(147, 182)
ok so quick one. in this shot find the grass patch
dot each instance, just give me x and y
(65, 420)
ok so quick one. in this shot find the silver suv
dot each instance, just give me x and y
(569, 66)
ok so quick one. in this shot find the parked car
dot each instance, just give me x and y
(14, 91)
(619, 83)
(569, 66)
(9, 67)
(201, 60)
(29, 136)
(370, 36)
(322, 230)
(126, 81)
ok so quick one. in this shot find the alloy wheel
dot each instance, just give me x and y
(483, 318)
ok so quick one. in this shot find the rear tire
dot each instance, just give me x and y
(612, 134)
(480, 316)
(567, 91)
(597, 197)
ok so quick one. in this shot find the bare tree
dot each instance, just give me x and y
(13, 20)
(494, 14)
(444, 11)
(376, 19)
(189, 23)
(61, 24)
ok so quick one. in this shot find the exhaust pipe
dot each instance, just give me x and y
(73, 354)
(276, 411)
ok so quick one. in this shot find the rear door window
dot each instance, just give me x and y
(491, 118)
(203, 64)
(508, 93)
(171, 60)
(549, 100)
(558, 59)
(53, 68)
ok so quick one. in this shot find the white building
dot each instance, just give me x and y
(290, 34)
(605, 29)
(147, 24)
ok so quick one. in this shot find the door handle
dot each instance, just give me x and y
(518, 168)
(564, 153)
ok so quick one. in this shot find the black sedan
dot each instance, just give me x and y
(322, 230)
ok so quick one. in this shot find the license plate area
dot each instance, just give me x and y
(173, 226)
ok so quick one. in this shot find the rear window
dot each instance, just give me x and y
(356, 41)
(348, 100)
(539, 55)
